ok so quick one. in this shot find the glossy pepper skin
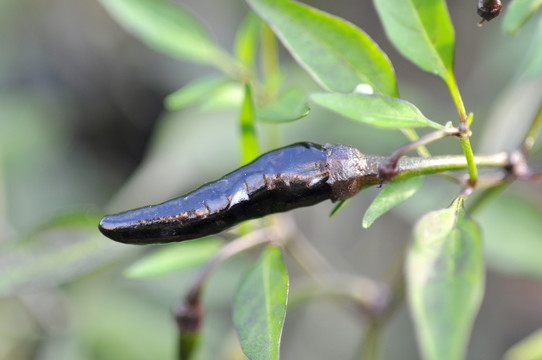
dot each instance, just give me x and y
(298, 175)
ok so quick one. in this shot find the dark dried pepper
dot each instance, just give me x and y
(298, 175)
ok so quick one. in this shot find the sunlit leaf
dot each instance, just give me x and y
(518, 12)
(165, 27)
(422, 31)
(289, 106)
(246, 40)
(529, 348)
(249, 141)
(390, 196)
(512, 226)
(228, 96)
(259, 306)
(175, 257)
(445, 281)
(377, 110)
(194, 92)
(337, 54)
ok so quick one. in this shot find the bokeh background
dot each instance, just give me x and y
(83, 128)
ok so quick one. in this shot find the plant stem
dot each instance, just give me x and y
(371, 340)
(388, 170)
(228, 64)
(464, 126)
(367, 296)
(426, 139)
(517, 162)
(249, 148)
(270, 63)
(487, 195)
(412, 135)
(415, 166)
(409, 167)
(302, 250)
(471, 161)
(237, 246)
(532, 133)
(456, 96)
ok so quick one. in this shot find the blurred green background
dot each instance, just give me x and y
(83, 129)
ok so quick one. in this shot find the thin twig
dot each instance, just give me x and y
(301, 249)
(389, 168)
(254, 238)
(369, 295)
(532, 133)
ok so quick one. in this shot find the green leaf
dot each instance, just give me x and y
(194, 92)
(517, 14)
(246, 40)
(61, 248)
(175, 257)
(337, 54)
(512, 229)
(165, 27)
(228, 96)
(422, 31)
(289, 106)
(390, 196)
(377, 110)
(259, 306)
(339, 206)
(445, 281)
(81, 219)
(53, 257)
(249, 141)
(529, 348)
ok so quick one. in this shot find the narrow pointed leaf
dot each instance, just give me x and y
(338, 207)
(422, 31)
(518, 12)
(337, 54)
(343, 203)
(228, 96)
(249, 142)
(390, 196)
(377, 110)
(175, 257)
(259, 306)
(49, 259)
(194, 92)
(289, 106)
(76, 219)
(56, 251)
(165, 27)
(445, 281)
